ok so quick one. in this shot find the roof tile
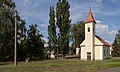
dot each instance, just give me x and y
(90, 18)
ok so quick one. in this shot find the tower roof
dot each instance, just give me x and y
(89, 18)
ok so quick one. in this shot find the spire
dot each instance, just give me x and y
(90, 18)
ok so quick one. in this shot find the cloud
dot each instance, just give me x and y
(115, 0)
(100, 9)
(26, 2)
(38, 12)
(104, 31)
(43, 25)
(101, 28)
(79, 10)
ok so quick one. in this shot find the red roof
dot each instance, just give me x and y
(103, 41)
(111, 45)
(90, 18)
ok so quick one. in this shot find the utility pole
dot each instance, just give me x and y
(15, 42)
(15, 46)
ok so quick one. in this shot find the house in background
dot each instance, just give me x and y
(93, 47)
(77, 50)
(111, 50)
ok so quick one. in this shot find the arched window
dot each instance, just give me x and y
(88, 29)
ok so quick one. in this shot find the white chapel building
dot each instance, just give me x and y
(93, 47)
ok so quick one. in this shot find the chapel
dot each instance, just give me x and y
(93, 47)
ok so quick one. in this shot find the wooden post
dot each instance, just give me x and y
(57, 53)
(79, 54)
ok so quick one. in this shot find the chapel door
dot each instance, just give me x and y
(88, 55)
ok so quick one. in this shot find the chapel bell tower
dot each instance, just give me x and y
(90, 36)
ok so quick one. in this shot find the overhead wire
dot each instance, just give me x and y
(25, 5)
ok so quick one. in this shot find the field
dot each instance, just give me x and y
(60, 65)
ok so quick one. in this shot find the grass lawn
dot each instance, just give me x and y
(60, 65)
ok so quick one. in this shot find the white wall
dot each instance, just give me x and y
(98, 52)
(89, 37)
(83, 53)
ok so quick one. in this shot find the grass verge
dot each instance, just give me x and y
(60, 65)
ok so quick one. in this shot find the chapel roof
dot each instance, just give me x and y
(111, 45)
(90, 18)
(103, 41)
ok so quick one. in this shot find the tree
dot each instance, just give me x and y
(52, 31)
(7, 28)
(35, 45)
(63, 23)
(77, 33)
(22, 40)
(7, 15)
(116, 45)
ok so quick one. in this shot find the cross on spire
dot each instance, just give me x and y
(89, 5)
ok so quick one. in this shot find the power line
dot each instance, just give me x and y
(22, 9)
(24, 6)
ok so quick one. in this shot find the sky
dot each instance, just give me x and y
(105, 12)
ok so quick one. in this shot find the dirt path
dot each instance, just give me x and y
(117, 69)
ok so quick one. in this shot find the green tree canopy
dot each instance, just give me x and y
(7, 28)
(63, 23)
(7, 19)
(35, 45)
(77, 33)
(52, 29)
(116, 45)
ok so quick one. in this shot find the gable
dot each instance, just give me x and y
(83, 43)
(99, 40)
